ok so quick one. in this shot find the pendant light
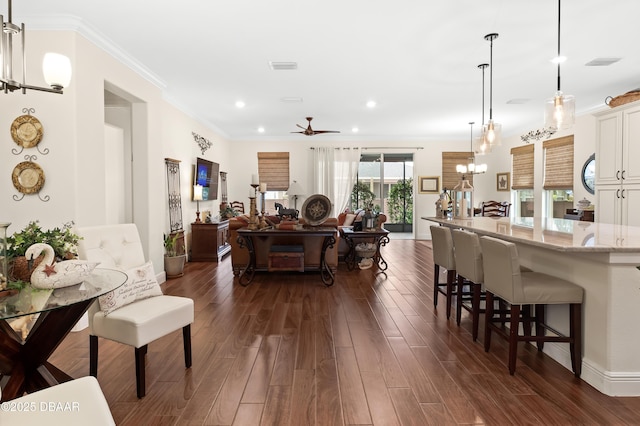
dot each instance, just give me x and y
(559, 110)
(492, 131)
(471, 167)
(481, 145)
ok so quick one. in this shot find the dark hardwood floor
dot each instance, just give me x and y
(286, 350)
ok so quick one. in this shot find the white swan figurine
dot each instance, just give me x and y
(49, 274)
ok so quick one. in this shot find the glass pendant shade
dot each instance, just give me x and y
(492, 133)
(480, 146)
(560, 111)
(57, 70)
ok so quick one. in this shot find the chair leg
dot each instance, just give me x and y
(459, 299)
(93, 355)
(575, 324)
(186, 338)
(141, 352)
(540, 321)
(436, 282)
(475, 309)
(513, 337)
(526, 320)
(488, 317)
(451, 276)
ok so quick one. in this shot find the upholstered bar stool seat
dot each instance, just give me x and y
(468, 256)
(78, 402)
(504, 279)
(444, 257)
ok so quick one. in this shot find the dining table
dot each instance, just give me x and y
(33, 322)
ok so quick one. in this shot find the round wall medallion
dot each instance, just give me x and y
(28, 177)
(316, 209)
(26, 131)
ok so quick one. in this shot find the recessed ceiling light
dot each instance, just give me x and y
(260, 129)
(239, 104)
(355, 130)
(371, 104)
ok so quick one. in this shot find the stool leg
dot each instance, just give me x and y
(475, 309)
(540, 321)
(575, 324)
(526, 320)
(436, 282)
(459, 299)
(488, 317)
(93, 355)
(451, 276)
(513, 337)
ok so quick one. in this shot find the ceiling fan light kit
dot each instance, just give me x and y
(308, 131)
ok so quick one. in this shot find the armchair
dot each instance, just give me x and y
(141, 322)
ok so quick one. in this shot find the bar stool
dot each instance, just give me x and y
(468, 256)
(503, 279)
(443, 257)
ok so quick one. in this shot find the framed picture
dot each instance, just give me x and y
(429, 184)
(503, 181)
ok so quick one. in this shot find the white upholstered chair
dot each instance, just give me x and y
(143, 321)
(78, 402)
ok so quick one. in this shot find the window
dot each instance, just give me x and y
(273, 168)
(522, 180)
(558, 176)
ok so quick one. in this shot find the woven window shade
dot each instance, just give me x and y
(558, 163)
(273, 168)
(522, 174)
(450, 177)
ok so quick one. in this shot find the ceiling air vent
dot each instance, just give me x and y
(518, 101)
(283, 66)
(291, 99)
(602, 62)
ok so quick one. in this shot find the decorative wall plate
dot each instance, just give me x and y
(316, 209)
(28, 177)
(26, 131)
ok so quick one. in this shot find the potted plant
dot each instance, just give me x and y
(63, 241)
(173, 262)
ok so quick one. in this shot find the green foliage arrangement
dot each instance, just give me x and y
(361, 196)
(170, 244)
(401, 201)
(62, 240)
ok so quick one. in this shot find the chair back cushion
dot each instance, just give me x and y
(468, 254)
(114, 246)
(501, 269)
(442, 247)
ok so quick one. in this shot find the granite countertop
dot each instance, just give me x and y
(556, 234)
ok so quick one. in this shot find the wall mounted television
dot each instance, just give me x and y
(206, 173)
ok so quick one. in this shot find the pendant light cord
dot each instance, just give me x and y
(558, 58)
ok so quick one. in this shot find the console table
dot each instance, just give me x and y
(253, 240)
(379, 237)
(209, 241)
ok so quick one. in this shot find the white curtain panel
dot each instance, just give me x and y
(335, 172)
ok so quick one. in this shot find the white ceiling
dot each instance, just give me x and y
(416, 58)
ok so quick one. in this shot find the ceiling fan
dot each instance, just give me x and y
(308, 131)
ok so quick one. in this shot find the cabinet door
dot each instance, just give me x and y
(609, 149)
(608, 203)
(630, 205)
(631, 145)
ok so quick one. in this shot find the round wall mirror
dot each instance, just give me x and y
(589, 174)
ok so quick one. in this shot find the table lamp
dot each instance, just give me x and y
(197, 197)
(294, 190)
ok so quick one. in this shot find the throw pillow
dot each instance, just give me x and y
(348, 220)
(141, 284)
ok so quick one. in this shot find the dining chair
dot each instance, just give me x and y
(442, 244)
(495, 208)
(78, 402)
(238, 206)
(504, 280)
(141, 322)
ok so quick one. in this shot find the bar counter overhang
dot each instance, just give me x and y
(604, 260)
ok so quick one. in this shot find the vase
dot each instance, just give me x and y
(174, 265)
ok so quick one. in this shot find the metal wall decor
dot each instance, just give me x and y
(27, 132)
(28, 178)
(536, 135)
(223, 187)
(202, 142)
(173, 188)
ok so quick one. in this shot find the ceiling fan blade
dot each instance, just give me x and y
(300, 126)
(325, 131)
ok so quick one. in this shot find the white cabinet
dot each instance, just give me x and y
(617, 165)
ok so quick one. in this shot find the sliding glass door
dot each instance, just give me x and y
(385, 184)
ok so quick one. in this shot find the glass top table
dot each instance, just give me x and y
(34, 322)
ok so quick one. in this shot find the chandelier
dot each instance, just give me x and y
(471, 167)
(56, 68)
(559, 110)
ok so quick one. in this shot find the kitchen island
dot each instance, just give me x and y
(604, 260)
